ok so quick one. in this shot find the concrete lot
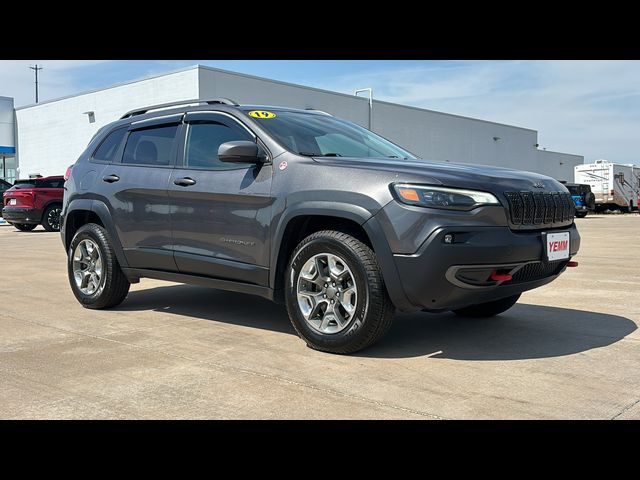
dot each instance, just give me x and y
(567, 350)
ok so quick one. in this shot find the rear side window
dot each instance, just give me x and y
(107, 150)
(152, 146)
(49, 183)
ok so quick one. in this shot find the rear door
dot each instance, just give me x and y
(220, 212)
(135, 188)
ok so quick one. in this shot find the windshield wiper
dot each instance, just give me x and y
(308, 154)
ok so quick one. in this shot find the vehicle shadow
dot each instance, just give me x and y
(211, 304)
(525, 331)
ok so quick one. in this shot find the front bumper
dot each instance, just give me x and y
(582, 208)
(22, 215)
(442, 276)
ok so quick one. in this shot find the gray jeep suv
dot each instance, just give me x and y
(303, 208)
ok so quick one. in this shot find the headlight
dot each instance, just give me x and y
(443, 197)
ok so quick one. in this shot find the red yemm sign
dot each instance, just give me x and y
(558, 245)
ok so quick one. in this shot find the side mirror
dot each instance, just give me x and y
(241, 151)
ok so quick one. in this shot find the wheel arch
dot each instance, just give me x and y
(50, 203)
(357, 221)
(83, 211)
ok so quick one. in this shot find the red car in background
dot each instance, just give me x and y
(32, 202)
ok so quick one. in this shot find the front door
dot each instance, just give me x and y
(220, 212)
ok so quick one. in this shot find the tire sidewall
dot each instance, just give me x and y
(299, 258)
(84, 233)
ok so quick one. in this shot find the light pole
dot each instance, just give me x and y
(35, 69)
(370, 90)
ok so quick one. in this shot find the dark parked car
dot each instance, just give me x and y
(304, 208)
(4, 186)
(583, 198)
(34, 201)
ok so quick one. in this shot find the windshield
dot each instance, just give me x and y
(323, 135)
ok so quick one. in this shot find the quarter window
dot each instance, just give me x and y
(152, 146)
(203, 141)
(107, 150)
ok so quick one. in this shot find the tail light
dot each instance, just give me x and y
(67, 174)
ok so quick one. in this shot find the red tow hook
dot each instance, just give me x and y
(572, 264)
(500, 277)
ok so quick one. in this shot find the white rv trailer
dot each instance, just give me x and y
(614, 185)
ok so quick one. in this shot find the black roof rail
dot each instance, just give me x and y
(142, 111)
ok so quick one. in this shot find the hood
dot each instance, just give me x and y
(479, 177)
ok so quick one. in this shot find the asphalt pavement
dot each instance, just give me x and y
(570, 349)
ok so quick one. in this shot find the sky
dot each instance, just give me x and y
(590, 108)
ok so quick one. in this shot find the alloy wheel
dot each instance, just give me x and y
(327, 293)
(87, 267)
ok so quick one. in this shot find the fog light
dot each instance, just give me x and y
(448, 238)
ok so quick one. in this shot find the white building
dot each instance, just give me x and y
(51, 135)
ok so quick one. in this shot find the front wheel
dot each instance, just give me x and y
(335, 293)
(489, 309)
(51, 218)
(25, 227)
(94, 272)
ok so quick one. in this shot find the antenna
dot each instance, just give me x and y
(35, 69)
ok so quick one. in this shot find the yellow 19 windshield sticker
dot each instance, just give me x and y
(261, 114)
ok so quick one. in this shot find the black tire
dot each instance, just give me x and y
(373, 313)
(590, 200)
(581, 214)
(114, 286)
(489, 309)
(51, 218)
(25, 227)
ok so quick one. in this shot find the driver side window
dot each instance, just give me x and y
(203, 141)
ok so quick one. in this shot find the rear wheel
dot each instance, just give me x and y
(94, 272)
(335, 293)
(489, 309)
(25, 227)
(51, 218)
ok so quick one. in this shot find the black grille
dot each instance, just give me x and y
(533, 208)
(537, 270)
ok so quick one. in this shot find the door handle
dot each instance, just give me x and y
(184, 182)
(111, 178)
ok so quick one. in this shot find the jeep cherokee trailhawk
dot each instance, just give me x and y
(304, 208)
